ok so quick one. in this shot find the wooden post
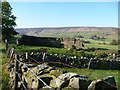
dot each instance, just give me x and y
(89, 63)
(26, 54)
(16, 70)
(17, 41)
(6, 42)
(26, 57)
(43, 57)
(11, 53)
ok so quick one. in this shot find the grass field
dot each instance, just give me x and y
(24, 48)
(112, 47)
(96, 74)
(95, 44)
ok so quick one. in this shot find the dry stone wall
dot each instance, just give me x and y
(79, 62)
(55, 79)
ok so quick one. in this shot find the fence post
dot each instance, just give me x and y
(11, 53)
(17, 42)
(26, 56)
(89, 63)
(43, 57)
(7, 44)
(16, 70)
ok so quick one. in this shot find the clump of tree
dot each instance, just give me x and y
(8, 21)
(95, 37)
(114, 42)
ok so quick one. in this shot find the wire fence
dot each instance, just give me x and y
(60, 63)
(47, 86)
(21, 81)
(12, 56)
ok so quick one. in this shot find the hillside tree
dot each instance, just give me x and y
(8, 21)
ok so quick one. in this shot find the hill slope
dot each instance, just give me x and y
(87, 32)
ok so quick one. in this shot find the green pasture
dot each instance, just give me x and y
(24, 48)
(99, 44)
(95, 74)
(112, 47)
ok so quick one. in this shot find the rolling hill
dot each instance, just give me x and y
(87, 32)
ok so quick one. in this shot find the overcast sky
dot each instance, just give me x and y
(62, 14)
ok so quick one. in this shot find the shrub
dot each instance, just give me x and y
(100, 53)
(113, 42)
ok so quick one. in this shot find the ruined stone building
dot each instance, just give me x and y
(69, 43)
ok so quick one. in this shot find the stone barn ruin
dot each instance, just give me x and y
(40, 41)
(69, 43)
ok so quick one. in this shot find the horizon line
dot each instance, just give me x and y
(69, 26)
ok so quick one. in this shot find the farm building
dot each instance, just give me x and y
(69, 43)
(40, 41)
